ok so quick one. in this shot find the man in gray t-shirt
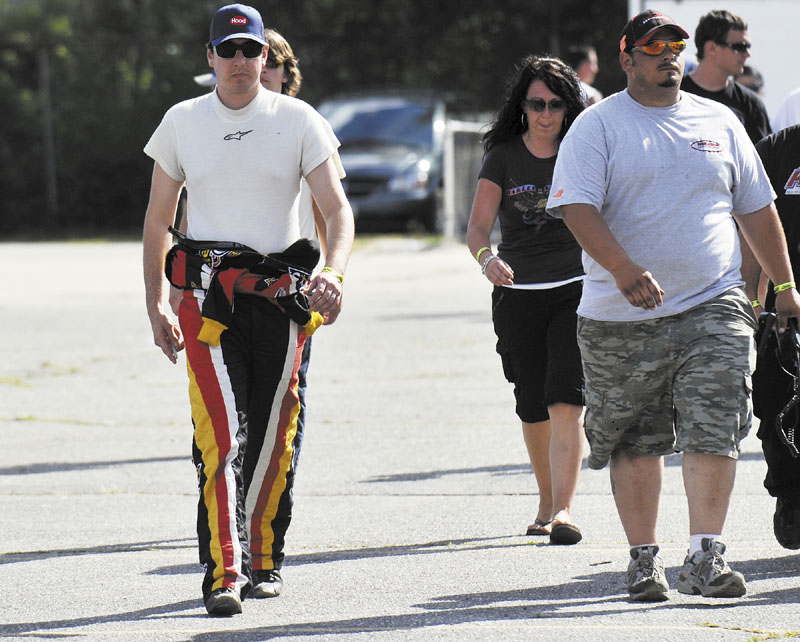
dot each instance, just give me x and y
(652, 182)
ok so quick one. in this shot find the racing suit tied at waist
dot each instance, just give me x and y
(222, 269)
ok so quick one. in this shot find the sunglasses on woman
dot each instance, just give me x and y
(249, 49)
(272, 63)
(538, 104)
(656, 47)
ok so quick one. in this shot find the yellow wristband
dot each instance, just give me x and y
(334, 272)
(755, 303)
(789, 285)
(479, 252)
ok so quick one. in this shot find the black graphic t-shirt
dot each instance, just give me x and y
(748, 107)
(780, 154)
(538, 247)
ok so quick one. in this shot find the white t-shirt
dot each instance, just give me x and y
(666, 181)
(242, 167)
(592, 95)
(788, 113)
(308, 225)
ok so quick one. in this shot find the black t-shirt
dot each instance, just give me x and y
(748, 107)
(780, 154)
(538, 247)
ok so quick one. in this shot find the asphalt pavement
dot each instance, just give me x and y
(413, 490)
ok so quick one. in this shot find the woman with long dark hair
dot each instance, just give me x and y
(537, 277)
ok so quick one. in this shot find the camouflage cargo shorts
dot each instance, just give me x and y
(675, 384)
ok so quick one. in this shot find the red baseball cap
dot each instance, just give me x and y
(639, 28)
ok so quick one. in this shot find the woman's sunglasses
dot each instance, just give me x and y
(538, 104)
(272, 63)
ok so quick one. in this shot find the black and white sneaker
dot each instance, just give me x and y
(267, 584)
(223, 602)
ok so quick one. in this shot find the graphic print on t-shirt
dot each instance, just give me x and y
(793, 184)
(531, 201)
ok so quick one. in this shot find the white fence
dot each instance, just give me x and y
(463, 155)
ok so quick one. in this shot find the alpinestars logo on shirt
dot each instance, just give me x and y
(793, 184)
(237, 136)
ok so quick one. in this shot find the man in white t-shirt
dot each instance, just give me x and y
(583, 59)
(242, 151)
(788, 113)
(651, 182)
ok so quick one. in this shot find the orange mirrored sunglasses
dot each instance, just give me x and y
(656, 47)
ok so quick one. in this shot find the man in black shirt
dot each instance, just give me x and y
(773, 386)
(723, 47)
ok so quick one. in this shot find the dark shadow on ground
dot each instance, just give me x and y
(508, 469)
(171, 610)
(426, 548)
(596, 594)
(505, 469)
(66, 467)
(103, 549)
(602, 595)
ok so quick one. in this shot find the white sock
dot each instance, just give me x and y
(696, 541)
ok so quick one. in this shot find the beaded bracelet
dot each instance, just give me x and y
(789, 285)
(481, 251)
(486, 263)
(340, 277)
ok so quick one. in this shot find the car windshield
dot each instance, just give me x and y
(380, 122)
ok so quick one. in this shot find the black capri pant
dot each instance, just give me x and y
(537, 342)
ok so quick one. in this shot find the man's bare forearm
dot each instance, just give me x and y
(156, 238)
(339, 238)
(764, 234)
(639, 287)
(156, 242)
(751, 269)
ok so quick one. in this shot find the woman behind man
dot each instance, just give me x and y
(538, 276)
(281, 74)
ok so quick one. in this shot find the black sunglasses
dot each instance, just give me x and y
(538, 104)
(272, 63)
(738, 47)
(249, 49)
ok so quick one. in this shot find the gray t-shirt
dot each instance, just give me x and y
(666, 180)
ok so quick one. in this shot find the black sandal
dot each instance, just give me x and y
(539, 527)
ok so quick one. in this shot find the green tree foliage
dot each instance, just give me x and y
(115, 66)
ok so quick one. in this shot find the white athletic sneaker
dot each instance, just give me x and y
(706, 573)
(645, 577)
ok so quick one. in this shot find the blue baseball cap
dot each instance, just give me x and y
(236, 21)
